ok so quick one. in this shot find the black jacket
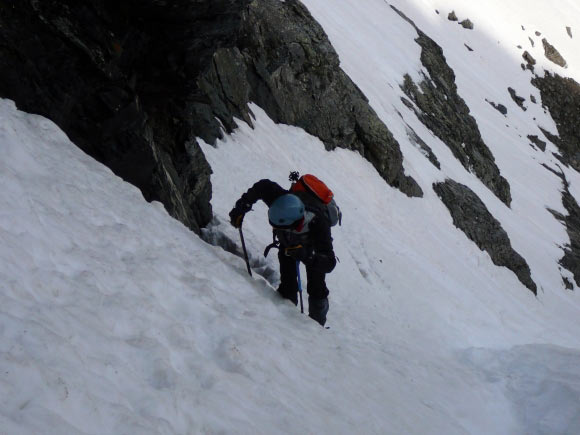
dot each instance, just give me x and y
(317, 240)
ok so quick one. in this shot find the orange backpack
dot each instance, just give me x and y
(324, 196)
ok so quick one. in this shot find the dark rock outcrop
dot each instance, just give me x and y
(467, 24)
(499, 107)
(537, 141)
(562, 98)
(293, 73)
(445, 113)
(472, 217)
(452, 16)
(517, 99)
(569, 31)
(571, 259)
(114, 77)
(530, 61)
(552, 54)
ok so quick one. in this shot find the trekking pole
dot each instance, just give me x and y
(299, 285)
(245, 251)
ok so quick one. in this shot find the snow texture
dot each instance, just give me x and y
(114, 318)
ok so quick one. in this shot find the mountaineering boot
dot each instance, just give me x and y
(288, 293)
(317, 309)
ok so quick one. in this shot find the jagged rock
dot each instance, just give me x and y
(445, 113)
(571, 258)
(533, 99)
(223, 84)
(562, 97)
(530, 61)
(452, 16)
(467, 24)
(116, 86)
(502, 108)
(499, 107)
(472, 217)
(552, 54)
(537, 141)
(517, 99)
(538, 33)
(569, 31)
(468, 47)
(532, 42)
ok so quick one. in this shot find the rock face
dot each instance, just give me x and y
(562, 97)
(445, 113)
(530, 61)
(472, 217)
(571, 259)
(116, 84)
(285, 63)
(134, 83)
(552, 54)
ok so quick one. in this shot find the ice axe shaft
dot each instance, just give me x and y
(245, 251)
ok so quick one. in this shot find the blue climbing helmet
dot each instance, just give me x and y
(286, 211)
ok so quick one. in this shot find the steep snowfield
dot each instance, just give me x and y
(114, 318)
(485, 73)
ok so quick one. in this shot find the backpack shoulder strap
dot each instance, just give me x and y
(311, 202)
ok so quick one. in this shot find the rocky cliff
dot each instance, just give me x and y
(135, 83)
(114, 77)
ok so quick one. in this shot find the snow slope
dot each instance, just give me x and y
(114, 318)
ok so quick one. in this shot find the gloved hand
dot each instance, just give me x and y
(300, 253)
(237, 213)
